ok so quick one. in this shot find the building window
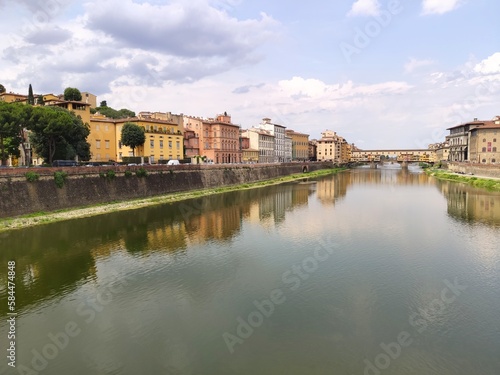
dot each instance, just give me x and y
(106, 127)
(484, 139)
(484, 149)
(177, 144)
(106, 143)
(152, 143)
(96, 127)
(494, 149)
(98, 143)
(130, 153)
(494, 139)
(161, 143)
(484, 160)
(170, 144)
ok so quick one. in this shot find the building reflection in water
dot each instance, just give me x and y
(469, 204)
(54, 258)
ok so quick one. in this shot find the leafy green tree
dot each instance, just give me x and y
(125, 113)
(10, 130)
(113, 113)
(58, 134)
(104, 103)
(133, 135)
(31, 98)
(73, 94)
(39, 100)
(10, 147)
(2, 88)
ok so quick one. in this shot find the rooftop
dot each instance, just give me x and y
(474, 122)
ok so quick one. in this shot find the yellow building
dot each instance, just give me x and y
(345, 151)
(250, 155)
(329, 147)
(89, 98)
(484, 143)
(102, 139)
(442, 153)
(80, 109)
(49, 97)
(10, 97)
(300, 145)
(164, 140)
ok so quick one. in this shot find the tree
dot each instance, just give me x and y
(125, 113)
(133, 136)
(73, 94)
(58, 134)
(2, 88)
(39, 100)
(113, 113)
(31, 98)
(104, 103)
(12, 122)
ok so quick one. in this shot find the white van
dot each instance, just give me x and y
(173, 162)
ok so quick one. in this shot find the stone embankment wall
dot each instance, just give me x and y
(476, 169)
(86, 186)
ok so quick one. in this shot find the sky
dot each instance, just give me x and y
(381, 73)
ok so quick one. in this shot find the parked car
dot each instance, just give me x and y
(173, 162)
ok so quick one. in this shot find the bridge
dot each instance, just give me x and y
(402, 156)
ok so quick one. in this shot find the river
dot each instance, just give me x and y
(383, 271)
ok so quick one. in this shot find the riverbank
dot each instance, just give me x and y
(40, 218)
(490, 184)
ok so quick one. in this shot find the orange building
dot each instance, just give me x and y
(217, 139)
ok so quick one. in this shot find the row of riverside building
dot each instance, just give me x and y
(217, 140)
(177, 136)
(475, 142)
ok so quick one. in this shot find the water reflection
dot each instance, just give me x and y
(192, 268)
(469, 204)
(52, 259)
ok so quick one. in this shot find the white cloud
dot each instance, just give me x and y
(145, 43)
(491, 65)
(365, 8)
(440, 6)
(415, 64)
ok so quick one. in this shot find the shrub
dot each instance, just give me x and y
(128, 173)
(59, 178)
(110, 174)
(32, 176)
(141, 172)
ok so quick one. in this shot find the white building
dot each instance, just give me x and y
(263, 141)
(278, 131)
